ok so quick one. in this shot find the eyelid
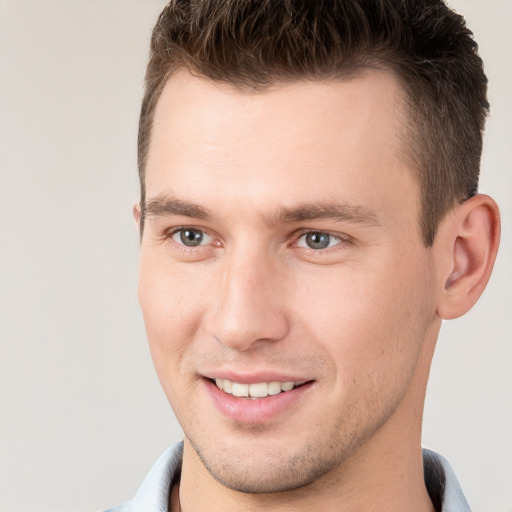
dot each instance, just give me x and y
(339, 237)
(332, 238)
(208, 237)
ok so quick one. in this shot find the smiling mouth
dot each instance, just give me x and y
(256, 390)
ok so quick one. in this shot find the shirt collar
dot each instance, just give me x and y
(153, 494)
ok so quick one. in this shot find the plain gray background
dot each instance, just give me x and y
(82, 416)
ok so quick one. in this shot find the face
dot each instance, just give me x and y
(284, 284)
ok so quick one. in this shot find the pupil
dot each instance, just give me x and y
(318, 240)
(191, 237)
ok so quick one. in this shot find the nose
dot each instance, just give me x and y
(250, 308)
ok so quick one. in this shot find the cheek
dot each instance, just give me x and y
(171, 307)
(373, 319)
(171, 303)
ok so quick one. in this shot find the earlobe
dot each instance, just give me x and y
(472, 237)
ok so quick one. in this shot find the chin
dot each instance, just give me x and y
(266, 470)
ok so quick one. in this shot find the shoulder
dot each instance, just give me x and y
(442, 484)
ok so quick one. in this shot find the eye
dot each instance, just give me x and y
(191, 237)
(318, 240)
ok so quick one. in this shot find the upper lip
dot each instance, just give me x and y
(253, 378)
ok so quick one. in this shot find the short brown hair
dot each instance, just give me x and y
(256, 43)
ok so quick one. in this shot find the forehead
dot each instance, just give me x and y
(291, 142)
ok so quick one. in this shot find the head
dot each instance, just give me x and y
(307, 173)
(253, 45)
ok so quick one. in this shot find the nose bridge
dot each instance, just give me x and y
(250, 304)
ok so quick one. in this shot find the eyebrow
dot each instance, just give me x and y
(341, 212)
(164, 205)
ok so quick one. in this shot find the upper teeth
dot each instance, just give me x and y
(256, 390)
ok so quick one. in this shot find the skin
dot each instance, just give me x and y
(252, 173)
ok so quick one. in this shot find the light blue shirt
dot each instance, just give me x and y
(153, 495)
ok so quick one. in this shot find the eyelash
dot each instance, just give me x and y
(169, 235)
(304, 234)
(301, 235)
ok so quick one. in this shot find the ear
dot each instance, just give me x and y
(136, 212)
(469, 237)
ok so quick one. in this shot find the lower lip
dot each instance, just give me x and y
(255, 411)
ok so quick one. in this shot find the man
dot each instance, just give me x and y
(309, 214)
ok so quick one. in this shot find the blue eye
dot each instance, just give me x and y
(318, 240)
(191, 237)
